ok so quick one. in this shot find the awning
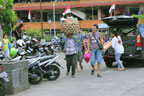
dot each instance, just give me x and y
(79, 14)
(103, 26)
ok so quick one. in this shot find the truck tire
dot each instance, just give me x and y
(142, 63)
(109, 63)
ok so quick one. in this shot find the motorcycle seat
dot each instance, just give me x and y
(46, 58)
(30, 57)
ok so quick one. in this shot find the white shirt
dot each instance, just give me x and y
(118, 47)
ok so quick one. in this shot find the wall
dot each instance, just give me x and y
(46, 25)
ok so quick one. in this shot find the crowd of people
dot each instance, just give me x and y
(73, 50)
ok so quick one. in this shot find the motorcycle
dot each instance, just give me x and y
(57, 43)
(2, 55)
(3, 80)
(47, 49)
(31, 45)
(1, 52)
(49, 67)
(34, 74)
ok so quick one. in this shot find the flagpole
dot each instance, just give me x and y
(115, 8)
(41, 17)
(54, 16)
(92, 13)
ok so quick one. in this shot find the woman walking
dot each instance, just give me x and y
(119, 49)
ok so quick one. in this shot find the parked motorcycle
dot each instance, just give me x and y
(2, 55)
(49, 67)
(34, 74)
(47, 49)
(57, 43)
(3, 80)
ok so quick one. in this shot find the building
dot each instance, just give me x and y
(89, 12)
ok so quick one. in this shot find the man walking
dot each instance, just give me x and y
(79, 40)
(18, 32)
(94, 38)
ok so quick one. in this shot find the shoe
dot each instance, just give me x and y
(73, 76)
(67, 74)
(121, 69)
(98, 75)
(117, 69)
(92, 72)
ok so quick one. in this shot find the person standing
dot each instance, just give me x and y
(93, 48)
(71, 51)
(79, 41)
(18, 32)
(6, 42)
(119, 49)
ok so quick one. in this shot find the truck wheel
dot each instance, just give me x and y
(142, 63)
(109, 63)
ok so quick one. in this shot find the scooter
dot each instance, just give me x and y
(34, 74)
(47, 49)
(3, 80)
(56, 44)
(49, 67)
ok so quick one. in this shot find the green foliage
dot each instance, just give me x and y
(139, 16)
(7, 16)
(33, 32)
(36, 33)
(84, 32)
(59, 34)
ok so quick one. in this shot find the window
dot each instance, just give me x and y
(133, 10)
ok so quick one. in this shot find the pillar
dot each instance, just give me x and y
(99, 13)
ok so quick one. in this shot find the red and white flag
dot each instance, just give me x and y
(68, 10)
(29, 14)
(112, 7)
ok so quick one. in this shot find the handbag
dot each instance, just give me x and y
(99, 44)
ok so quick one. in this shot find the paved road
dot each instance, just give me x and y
(112, 83)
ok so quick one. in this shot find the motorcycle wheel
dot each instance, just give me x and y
(51, 52)
(55, 72)
(3, 87)
(39, 79)
(59, 48)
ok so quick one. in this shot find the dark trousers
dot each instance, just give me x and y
(71, 61)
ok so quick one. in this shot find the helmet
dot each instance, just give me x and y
(25, 33)
(13, 52)
(20, 43)
(87, 56)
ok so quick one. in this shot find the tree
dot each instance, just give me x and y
(7, 16)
